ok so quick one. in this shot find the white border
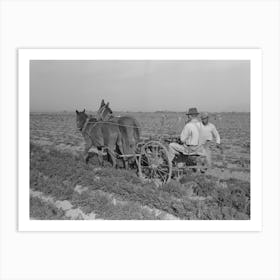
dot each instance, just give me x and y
(254, 55)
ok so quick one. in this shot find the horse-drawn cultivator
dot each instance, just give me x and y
(151, 155)
(154, 162)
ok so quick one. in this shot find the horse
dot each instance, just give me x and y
(128, 126)
(100, 135)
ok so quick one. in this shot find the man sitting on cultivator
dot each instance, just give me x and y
(190, 137)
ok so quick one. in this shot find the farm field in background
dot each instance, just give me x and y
(64, 187)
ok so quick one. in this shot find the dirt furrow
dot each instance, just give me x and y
(71, 212)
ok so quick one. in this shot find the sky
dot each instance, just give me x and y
(209, 85)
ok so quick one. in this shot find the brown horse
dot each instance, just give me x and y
(129, 128)
(102, 135)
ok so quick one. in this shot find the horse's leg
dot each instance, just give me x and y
(120, 146)
(125, 163)
(112, 156)
(100, 156)
(86, 150)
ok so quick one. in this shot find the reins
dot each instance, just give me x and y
(101, 122)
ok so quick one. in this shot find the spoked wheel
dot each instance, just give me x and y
(154, 163)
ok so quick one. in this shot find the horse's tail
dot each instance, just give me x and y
(130, 131)
(137, 131)
(125, 145)
(120, 144)
(124, 140)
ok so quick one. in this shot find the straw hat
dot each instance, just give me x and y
(192, 111)
(204, 115)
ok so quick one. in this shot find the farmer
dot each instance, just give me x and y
(208, 132)
(190, 137)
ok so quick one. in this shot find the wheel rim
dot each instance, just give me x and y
(154, 163)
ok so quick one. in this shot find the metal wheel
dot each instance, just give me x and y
(154, 163)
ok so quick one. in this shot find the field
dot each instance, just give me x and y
(62, 186)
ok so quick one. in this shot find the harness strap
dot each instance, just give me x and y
(85, 125)
(124, 125)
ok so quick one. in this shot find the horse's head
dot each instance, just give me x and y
(104, 112)
(81, 118)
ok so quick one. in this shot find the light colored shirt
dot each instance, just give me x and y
(191, 134)
(208, 132)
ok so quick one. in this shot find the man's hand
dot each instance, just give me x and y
(177, 139)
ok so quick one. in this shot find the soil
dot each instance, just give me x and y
(64, 187)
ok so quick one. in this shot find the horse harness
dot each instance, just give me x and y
(83, 129)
